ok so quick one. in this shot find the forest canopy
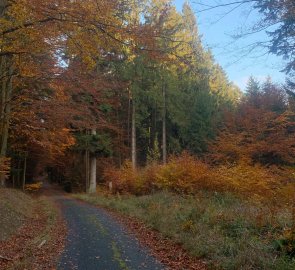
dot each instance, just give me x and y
(90, 88)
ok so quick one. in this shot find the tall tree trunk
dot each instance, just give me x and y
(92, 184)
(24, 172)
(6, 89)
(133, 136)
(128, 120)
(3, 5)
(164, 131)
(18, 173)
(87, 165)
(87, 170)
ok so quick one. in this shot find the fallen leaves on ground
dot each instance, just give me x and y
(27, 249)
(165, 250)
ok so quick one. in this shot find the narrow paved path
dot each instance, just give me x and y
(96, 241)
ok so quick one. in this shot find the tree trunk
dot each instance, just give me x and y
(24, 172)
(133, 136)
(6, 89)
(87, 170)
(18, 173)
(3, 5)
(87, 166)
(128, 119)
(164, 134)
(92, 184)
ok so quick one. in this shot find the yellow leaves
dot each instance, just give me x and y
(188, 226)
(186, 174)
(33, 187)
(254, 181)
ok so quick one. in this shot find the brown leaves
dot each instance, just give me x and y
(4, 165)
(166, 251)
(22, 248)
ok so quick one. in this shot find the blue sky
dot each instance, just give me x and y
(216, 29)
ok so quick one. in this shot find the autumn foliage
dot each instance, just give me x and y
(4, 165)
(186, 174)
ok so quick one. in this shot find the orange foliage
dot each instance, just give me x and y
(4, 165)
(261, 130)
(33, 187)
(184, 173)
(254, 181)
(187, 174)
(124, 179)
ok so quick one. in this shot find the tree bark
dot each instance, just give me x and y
(133, 136)
(6, 89)
(92, 184)
(87, 170)
(3, 5)
(87, 166)
(164, 131)
(128, 120)
(24, 172)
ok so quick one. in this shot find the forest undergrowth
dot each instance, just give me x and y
(236, 217)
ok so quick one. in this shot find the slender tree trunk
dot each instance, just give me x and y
(3, 4)
(133, 136)
(92, 184)
(164, 134)
(128, 120)
(3, 73)
(87, 165)
(18, 173)
(24, 172)
(87, 170)
(5, 108)
(119, 139)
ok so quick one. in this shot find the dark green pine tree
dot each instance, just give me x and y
(253, 92)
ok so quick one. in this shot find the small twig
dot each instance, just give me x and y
(42, 243)
(5, 258)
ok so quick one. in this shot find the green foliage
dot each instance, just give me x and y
(154, 153)
(99, 144)
(286, 243)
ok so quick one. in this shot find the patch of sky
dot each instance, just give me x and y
(239, 57)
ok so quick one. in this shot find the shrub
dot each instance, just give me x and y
(286, 243)
(125, 179)
(188, 174)
(184, 174)
(247, 180)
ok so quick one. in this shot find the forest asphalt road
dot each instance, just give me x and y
(97, 241)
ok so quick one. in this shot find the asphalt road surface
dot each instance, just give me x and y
(97, 241)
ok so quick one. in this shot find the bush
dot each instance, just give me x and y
(125, 179)
(188, 175)
(184, 174)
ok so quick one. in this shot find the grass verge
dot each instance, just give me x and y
(15, 208)
(37, 240)
(228, 232)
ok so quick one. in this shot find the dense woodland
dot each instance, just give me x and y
(121, 97)
(123, 93)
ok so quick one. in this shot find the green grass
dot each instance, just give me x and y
(228, 232)
(118, 256)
